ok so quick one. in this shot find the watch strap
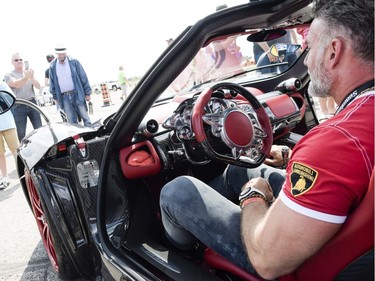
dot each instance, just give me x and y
(250, 193)
(251, 200)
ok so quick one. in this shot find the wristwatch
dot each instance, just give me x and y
(250, 192)
(285, 154)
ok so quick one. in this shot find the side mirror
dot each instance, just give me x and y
(7, 100)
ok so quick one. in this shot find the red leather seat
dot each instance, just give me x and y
(214, 260)
(354, 239)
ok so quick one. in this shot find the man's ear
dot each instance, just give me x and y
(336, 51)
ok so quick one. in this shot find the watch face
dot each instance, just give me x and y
(251, 192)
(244, 193)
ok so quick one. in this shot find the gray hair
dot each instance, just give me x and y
(351, 19)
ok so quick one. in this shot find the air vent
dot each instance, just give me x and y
(148, 128)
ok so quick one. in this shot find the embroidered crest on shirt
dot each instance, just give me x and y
(302, 178)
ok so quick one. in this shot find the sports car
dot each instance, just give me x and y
(209, 101)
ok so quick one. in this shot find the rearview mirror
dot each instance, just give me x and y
(266, 35)
(6, 101)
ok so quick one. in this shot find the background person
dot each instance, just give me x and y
(50, 58)
(70, 86)
(8, 134)
(328, 108)
(22, 83)
(321, 185)
(264, 57)
(123, 82)
(227, 54)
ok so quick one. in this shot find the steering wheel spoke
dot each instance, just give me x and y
(215, 120)
(259, 133)
(236, 153)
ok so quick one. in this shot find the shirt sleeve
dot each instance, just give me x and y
(323, 182)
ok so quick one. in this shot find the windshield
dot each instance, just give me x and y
(237, 57)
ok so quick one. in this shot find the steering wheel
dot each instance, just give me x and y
(245, 130)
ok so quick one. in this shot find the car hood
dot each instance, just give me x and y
(36, 144)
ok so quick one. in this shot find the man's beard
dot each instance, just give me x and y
(62, 59)
(320, 81)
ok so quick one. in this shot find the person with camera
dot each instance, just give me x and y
(22, 82)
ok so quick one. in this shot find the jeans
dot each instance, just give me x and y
(193, 210)
(72, 106)
(20, 114)
(124, 89)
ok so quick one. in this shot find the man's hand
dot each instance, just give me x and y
(88, 97)
(29, 73)
(275, 158)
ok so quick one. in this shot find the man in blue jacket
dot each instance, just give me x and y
(69, 86)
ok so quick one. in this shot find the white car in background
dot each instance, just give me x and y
(111, 85)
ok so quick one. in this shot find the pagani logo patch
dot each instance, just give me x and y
(302, 178)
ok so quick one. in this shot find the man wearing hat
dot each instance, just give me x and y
(69, 86)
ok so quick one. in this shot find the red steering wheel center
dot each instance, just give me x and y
(238, 129)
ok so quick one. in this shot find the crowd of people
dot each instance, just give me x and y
(69, 86)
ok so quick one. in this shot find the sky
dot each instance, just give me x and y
(102, 35)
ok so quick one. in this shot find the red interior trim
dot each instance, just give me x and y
(254, 91)
(218, 262)
(281, 105)
(134, 172)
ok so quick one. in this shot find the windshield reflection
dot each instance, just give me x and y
(236, 56)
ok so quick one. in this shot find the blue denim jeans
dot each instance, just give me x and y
(72, 106)
(193, 210)
(20, 114)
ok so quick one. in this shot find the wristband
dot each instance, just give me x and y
(250, 200)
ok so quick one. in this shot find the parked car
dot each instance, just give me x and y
(94, 191)
(113, 85)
